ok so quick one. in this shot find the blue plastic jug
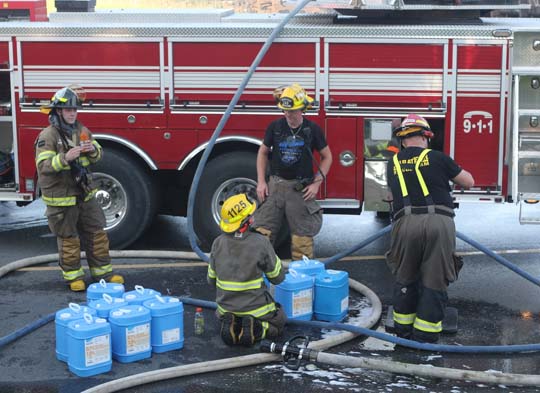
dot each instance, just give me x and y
(61, 320)
(295, 294)
(130, 330)
(96, 290)
(140, 295)
(310, 267)
(89, 346)
(167, 325)
(331, 295)
(104, 306)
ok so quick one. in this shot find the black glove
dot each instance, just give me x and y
(80, 175)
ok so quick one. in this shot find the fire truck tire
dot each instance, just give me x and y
(224, 176)
(126, 195)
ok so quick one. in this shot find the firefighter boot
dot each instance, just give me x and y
(300, 246)
(116, 278)
(252, 331)
(77, 285)
(230, 328)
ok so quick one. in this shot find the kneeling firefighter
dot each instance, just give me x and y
(239, 260)
(422, 250)
(64, 150)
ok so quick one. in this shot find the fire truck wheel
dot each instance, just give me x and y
(126, 195)
(224, 176)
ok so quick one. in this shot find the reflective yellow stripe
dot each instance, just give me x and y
(65, 201)
(211, 273)
(84, 161)
(100, 271)
(239, 286)
(404, 191)
(419, 174)
(45, 155)
(401, 179)
(265, 326)
(257, 313)
(73, 274)
(274, 273)
(58, 165)
(97, 154)
(403, 319)
(90, 195)
(427, 326)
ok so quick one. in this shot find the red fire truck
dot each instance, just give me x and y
(158, 83)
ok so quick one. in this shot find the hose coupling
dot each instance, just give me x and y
(293, 351)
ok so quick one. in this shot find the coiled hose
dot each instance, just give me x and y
(353, 330)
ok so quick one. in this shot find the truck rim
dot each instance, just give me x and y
(229, 188)
(112, 198)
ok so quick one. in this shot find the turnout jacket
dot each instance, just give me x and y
(56, 181)
(237, 263)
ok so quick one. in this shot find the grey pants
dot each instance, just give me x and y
(284, 202)
(422, 248)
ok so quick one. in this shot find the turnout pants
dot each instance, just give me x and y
(271, 324)
(284, 202)
(76, 227)
(422, 259)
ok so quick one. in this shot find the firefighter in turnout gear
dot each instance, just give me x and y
(292, 188)
(64, 150)
(422, 250)
(239, 259)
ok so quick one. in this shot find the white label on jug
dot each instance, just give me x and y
(344, 303)
(170, 336)
(138, 339)
(97, 350)
(302, 302)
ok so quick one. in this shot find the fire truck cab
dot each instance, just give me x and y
(158, 83)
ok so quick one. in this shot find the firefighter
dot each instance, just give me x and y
(239, 258)
(292, 187)
(422, 251)
(64, 150)
(385, 149)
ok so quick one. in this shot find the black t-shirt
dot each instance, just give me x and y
(290, 157)
(437, 170)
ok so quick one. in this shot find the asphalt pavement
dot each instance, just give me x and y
(496, 307)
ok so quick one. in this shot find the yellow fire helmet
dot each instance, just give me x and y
(292, 97)
(235, 211)
(71, 96)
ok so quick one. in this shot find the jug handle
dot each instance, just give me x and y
(107, 298)
(88, 318)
